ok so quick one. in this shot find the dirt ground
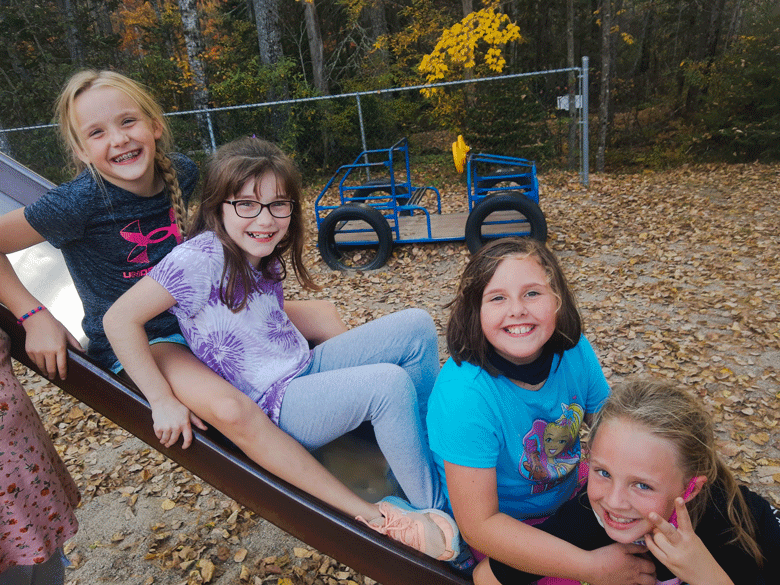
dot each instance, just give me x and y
(676, 274)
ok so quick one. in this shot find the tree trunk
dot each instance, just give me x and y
(545, 43)
(515, 15)
(640, 66)
(72, 38)
(572, 158)
(315, 47)
(468, 73)
(318, 68)
(168, 40)
(375, 11)
(715, 30)
(606, 58)
(269, 38)
(193, 39)
(269, 31)
(102, 18)
(735, 22)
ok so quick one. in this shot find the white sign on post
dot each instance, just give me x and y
(563, 102)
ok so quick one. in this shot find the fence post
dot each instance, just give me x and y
(585, 126)
(5, 145)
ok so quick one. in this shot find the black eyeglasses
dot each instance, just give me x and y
(249, 208)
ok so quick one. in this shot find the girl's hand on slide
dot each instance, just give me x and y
(171, 420)
(682, 551)
(198, 423)
(47, 344)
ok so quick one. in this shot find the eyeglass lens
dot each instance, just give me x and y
(249, 209)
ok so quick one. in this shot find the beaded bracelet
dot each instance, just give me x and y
(21, 319)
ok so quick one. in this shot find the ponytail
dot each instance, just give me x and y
(738, 513)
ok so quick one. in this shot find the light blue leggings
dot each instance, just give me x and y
(384, 372)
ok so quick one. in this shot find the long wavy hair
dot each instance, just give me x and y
(465, 339)
(77, 85)
(227, 171)
(671, 413)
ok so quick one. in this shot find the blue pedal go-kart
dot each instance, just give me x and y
(377, 205)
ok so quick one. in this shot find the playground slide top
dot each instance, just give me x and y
(210, 456)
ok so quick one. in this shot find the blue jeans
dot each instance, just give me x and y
(384, 372)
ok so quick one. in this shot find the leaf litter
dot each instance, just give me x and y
(677, 275)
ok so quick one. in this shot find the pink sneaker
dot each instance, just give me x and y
(429, 531)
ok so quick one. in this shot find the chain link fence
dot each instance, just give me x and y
(522, 115)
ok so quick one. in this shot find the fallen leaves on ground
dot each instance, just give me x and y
(677, 275)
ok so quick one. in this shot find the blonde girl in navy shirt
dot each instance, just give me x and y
(122, 213)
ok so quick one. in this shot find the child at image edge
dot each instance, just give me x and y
(224, 284)
(505, 413)
(38, 497)
(652, 459)
(113, 222)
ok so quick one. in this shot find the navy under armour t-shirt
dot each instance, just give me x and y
(110, 238)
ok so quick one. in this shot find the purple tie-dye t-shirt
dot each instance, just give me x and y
(258, 349)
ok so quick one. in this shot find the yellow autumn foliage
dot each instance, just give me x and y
(479, 36)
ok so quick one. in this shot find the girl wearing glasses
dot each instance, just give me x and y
(224, 285)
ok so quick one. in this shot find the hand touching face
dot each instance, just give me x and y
(682, 551)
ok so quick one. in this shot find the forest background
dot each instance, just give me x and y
(672, 81)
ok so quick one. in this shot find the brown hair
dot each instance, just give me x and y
(671, 413)
(70, 136)
(465, 339)
(227, 171)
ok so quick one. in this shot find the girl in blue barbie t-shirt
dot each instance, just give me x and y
(505, 413)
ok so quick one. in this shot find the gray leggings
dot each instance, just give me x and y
(384, 372)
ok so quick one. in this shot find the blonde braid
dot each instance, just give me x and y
(171, 179)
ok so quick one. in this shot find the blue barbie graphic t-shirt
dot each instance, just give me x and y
(531, 438)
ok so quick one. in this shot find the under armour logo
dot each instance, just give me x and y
(132, 233)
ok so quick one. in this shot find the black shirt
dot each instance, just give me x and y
(575, 522)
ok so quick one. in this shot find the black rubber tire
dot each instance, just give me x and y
(330, 250)
(501, 177)
(501, 202)
(401, 196)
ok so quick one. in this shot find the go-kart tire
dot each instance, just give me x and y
(401, 196)
(504, 176)
(329, 249)
(502, 202)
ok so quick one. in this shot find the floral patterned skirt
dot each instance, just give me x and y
(37, 494)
